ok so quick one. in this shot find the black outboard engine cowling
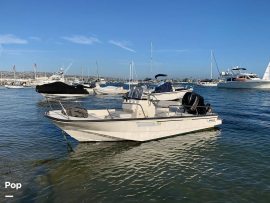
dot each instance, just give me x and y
(194, 104)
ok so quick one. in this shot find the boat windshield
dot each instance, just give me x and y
(135, 93)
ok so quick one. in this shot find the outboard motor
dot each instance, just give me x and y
(194, 104)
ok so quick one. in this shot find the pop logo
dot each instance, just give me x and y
(13, 185)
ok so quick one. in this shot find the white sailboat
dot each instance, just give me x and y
(15, 84)
(207, 82)
(266, 75)
(131, 76)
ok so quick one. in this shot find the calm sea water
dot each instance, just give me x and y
(231, 164)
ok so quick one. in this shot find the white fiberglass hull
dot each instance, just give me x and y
(207, 84)
(90, 90)
(134, 129)
(256, 84)
(169, 96)
(110, 91)
(64, 95)
(14, 86)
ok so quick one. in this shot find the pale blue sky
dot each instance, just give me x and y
(114, 32)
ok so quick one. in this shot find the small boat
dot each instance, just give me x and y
(109, 90)
(61, 90)
(56, 77)
(238, 78)
(132, 72)
(14, 86)
(165, 91)
(208, 82)
(138, 120)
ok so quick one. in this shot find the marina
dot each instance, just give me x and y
(134, 101)
(231, 156)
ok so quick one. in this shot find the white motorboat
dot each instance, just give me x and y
(239, 78)
(207, 83)
(14, 86)
(138, 120)
(109, 90)
(56, 77)
(165, 91)
(169, 96)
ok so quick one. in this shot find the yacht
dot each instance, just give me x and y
(56, 77)
(138, 120)
(239, 78)
(61, 90)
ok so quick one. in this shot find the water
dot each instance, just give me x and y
(231, 164)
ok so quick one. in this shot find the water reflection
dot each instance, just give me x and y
(121, 169)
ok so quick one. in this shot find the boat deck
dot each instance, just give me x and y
(111, 114)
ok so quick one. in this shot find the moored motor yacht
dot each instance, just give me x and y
(238, 78)
(138, 120)
(61, 90)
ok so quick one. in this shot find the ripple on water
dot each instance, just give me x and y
(226, 165)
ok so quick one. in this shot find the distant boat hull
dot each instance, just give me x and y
(207, 84)
(14, 86)
(109, 90)
(63, 96)
(250, 84)
(169, 96)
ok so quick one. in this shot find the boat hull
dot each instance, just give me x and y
(109, 91)
(54, 96)
(14, 86)
(207, 84)
(168, 96)
(135, 129)
(252, 84)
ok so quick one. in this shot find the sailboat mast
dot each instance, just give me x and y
(130, 70)
(151, 60)
(211, 64)
(14, 70)
(35, 70)
(97, 70)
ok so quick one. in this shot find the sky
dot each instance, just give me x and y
(84, 33)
